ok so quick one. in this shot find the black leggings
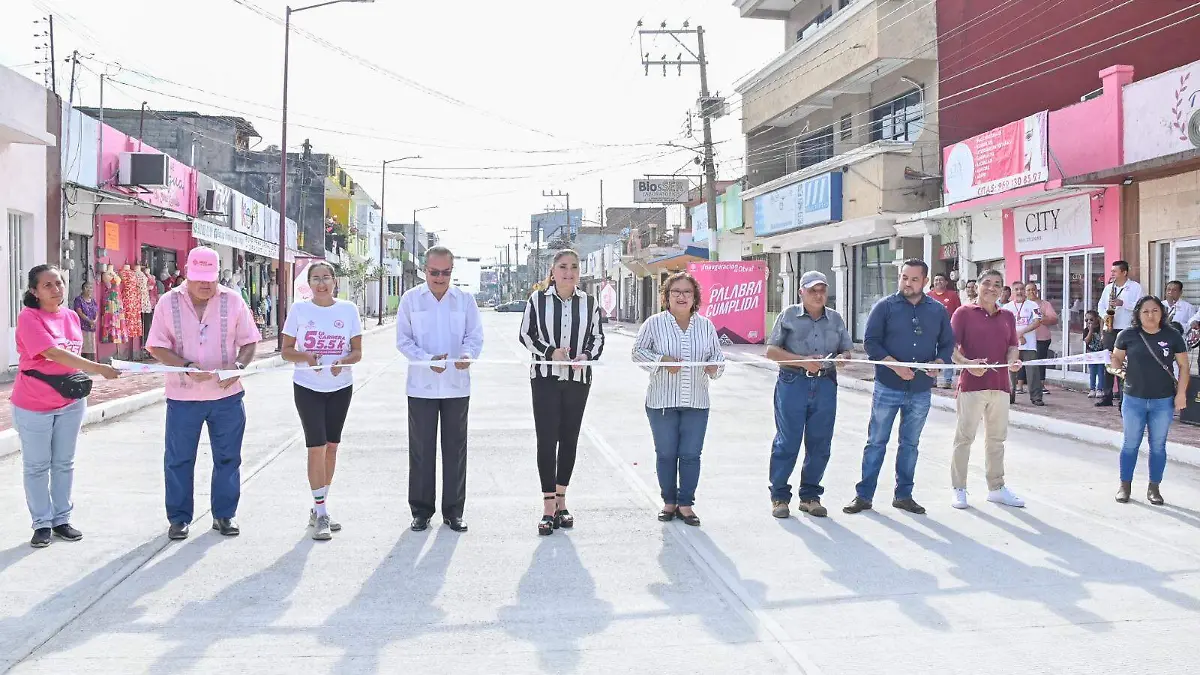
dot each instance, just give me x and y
(557, 416)
(322, 414)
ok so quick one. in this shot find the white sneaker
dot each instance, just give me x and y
(1006, 497)
(312, 521)
(1092, 393)
(960, 498)
(321, 531)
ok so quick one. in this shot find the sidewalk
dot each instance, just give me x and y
(108, 390)
(1065, 409)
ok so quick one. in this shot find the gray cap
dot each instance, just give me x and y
(812, 278)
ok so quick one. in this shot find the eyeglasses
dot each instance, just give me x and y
(445, 274)
(916, 326)
(681, 293)
(203, 331)
(321, 280)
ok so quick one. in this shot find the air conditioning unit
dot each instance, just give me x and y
(211, 204)
(149, 169)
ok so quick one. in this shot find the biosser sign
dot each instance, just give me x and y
(733, 296)
(660, 191)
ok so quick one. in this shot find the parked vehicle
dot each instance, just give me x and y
(514, 306)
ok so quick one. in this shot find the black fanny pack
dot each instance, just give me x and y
(74, 386)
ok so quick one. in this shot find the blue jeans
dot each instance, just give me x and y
(1139, 415)
(48, 453)
(805, 409)
(678, 438)
(226, 419)
(913, 408)
(1095, 376)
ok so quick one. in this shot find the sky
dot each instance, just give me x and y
(502, 100)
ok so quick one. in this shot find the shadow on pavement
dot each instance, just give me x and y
(397, 601)
(556, 605)
(866, 570)
(688, 587)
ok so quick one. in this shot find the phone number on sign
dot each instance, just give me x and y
(1010, 183)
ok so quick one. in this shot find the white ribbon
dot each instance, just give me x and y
(1102, 357)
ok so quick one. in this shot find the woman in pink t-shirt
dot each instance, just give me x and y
(49, 340)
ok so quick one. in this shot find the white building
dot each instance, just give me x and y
(24, 194)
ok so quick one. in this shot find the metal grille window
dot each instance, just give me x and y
(815, 24)
(900, 119)
(814, 149)
(846, 128)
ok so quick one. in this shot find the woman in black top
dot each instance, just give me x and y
(561, 323)
(1147, 352)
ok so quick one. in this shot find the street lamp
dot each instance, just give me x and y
(281, 277)
(383, 228)
(414, 227)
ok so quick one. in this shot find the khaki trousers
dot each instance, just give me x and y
(991, 407)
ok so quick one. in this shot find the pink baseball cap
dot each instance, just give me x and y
(203, 264)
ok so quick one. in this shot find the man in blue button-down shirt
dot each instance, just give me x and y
(907, 327)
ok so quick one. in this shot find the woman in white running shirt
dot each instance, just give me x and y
(323, 332)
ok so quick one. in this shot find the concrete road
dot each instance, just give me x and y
(1075, 583)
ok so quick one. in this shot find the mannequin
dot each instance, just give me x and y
(112, 317)
(131, 304)
(142, 275)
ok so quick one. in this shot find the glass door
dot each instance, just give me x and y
(1073, 320)
(1072, 284)
(1054, 291)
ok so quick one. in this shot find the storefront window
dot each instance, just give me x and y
(1071, 283)
(160, 260)
(874, 278)
(820, 261)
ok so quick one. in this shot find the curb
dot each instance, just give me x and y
(1177, 452)
(10, 442)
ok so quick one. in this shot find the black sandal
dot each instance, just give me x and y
(692, 520)
(546, 525)
(562, 517)
(666, 516)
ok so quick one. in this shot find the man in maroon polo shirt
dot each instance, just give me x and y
(984, 334)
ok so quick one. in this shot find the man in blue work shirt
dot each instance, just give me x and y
(908, 327)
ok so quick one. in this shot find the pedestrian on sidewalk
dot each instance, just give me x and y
(1042, 336)
(984, 335)
(805, 394)
(205, 326)
(561, 324)
(325, 332)
(1028, 316)
(438, 323)
(1146, 352)
(948, 297)
(677, 399)
(1093, 341)
(89, 312)
(908, 327)
(49, 399)
(1116, 300)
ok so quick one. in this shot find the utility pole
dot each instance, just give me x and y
(604, 245)
(710, 106)
(567, 196)
(53, 61)
(515, 259)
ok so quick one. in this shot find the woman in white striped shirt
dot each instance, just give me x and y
(561, 323)
(677, 397)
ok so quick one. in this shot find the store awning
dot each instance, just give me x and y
(678, 260)
(1147, 169)
(113, 204)
(830, 235)
(1040, 192)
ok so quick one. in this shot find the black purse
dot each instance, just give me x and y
(74, 386)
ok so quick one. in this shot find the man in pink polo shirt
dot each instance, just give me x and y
(984, 334)
(201, 324)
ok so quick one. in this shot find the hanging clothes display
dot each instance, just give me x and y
(112, 328)
(145, 305)
(131, 301)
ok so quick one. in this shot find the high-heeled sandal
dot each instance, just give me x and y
(562, 517)
(546, 525)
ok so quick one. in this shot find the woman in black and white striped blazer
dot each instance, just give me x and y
(561, 323)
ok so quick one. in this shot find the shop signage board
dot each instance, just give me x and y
(810, 202)
(734, 298)
(1006, 158)
(660, 191)
(608, 299)
(1162, 114)
(1065, 223)
(224, 236)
